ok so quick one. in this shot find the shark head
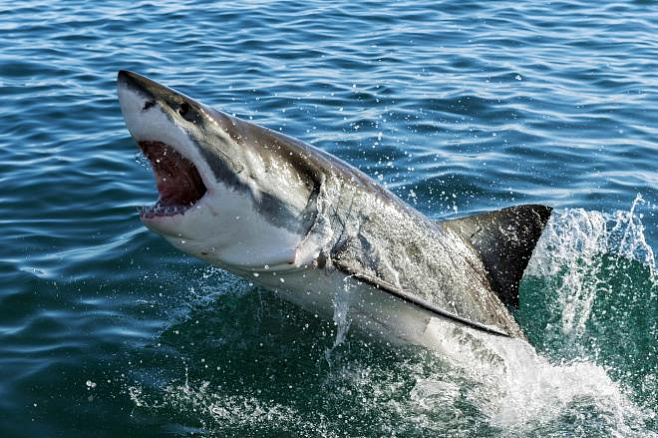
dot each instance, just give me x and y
(230, 192)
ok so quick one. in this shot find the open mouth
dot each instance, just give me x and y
(177, 179)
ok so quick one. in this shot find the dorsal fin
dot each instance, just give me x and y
(504, 240)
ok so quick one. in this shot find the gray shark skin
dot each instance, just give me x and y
(295, 219)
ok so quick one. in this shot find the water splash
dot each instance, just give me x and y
(523, 393)
(586, 268)
(343, 298)
(216, 412)
(570, 256)
(627, 237)
(590, 297)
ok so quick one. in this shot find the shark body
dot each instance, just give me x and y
(295, 219)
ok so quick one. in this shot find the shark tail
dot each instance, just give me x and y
(505, 240)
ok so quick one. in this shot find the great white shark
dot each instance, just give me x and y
(298, 220)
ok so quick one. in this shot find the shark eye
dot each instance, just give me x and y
(185, 110)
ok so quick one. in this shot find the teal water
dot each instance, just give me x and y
(459, 107)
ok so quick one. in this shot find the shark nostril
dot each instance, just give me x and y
(148, 104)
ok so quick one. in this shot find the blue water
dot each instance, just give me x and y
(458, 107)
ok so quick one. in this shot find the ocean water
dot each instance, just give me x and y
(459, 107)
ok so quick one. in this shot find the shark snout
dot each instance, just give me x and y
(137, 83)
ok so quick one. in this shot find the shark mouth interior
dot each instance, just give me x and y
(177, 179)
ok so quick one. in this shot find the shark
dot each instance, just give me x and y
(316, 230)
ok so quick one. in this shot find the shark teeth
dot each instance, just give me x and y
(160, 210)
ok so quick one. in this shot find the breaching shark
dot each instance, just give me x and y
(300, 221)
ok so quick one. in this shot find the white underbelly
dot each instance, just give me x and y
(333, 295)
(366, 307)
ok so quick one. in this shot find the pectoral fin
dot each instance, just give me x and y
(399, 293)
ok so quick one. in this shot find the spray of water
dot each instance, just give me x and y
(573, 268)
(342, 302)
(571, 255)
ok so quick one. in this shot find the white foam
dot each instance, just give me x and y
(571, 250)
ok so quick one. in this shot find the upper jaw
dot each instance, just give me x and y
(143, 85)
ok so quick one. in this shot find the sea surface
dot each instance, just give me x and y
(459, 107)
